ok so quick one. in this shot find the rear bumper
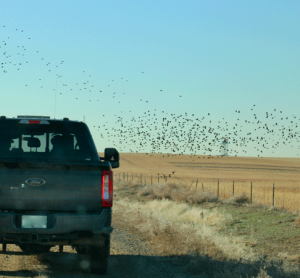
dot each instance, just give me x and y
(62, 228)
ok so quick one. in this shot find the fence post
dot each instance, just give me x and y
(141, 178)
(127, 176)
(196, 184)
(218, 188)
(202, 187)
(233, 188)
(123, 176)
(151, 179)
(251, 193)
(273, 194)
(294, 199)
(158, 178)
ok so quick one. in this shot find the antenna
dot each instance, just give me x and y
(56, 93)
(224, 147)
(55, 97)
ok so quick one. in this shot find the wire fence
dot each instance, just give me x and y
(282, 194)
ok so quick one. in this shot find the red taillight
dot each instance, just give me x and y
(107, 188)
(34, 122)
(42, 122)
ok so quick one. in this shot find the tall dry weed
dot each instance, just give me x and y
(129, 184)
(176, 192)
(241, 198)
(263, 273)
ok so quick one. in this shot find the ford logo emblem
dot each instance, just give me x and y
(35, 181)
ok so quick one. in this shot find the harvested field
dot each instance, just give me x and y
(223, 176)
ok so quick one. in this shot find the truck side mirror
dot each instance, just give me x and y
(112, 155)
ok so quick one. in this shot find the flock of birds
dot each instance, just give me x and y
(16, 58)
(156, 131)
(189, 134)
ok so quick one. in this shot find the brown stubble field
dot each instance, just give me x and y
(234, 175)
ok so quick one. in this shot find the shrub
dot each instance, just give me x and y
(176, 192)
(238, 199)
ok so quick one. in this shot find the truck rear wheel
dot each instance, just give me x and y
(99, 257)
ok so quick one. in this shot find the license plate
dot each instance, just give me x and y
(34, 221)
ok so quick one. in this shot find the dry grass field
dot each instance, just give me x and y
(232, 175)
(208, 237)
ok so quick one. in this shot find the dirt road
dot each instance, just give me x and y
(130, 257)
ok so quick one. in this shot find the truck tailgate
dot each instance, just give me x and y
(50, 188)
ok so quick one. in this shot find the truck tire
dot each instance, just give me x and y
(99, 257)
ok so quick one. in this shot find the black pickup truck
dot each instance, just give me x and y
(55, 189)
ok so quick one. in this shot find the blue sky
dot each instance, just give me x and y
(194, 57)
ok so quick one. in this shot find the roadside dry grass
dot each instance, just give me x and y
(176, 192)
(178, 222)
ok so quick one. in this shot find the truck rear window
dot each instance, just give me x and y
(52, 141)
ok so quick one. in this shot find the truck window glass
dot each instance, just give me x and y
(55, 141)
